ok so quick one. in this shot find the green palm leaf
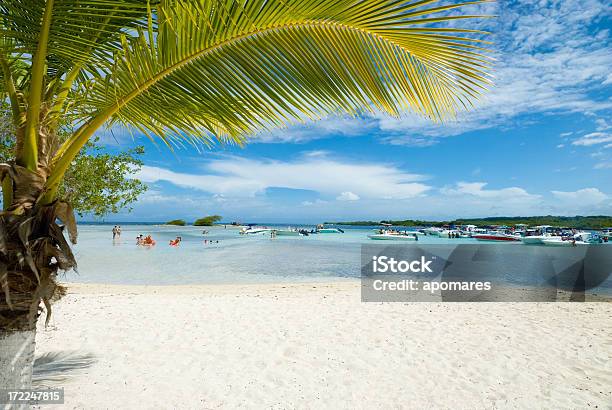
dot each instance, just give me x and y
(81, 31)
(221, 70)
(230, 68)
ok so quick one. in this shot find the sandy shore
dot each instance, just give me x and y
(318, 346)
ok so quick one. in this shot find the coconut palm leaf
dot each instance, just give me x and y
(207, 70)
(81, 31)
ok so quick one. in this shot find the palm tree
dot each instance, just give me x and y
(197, 72)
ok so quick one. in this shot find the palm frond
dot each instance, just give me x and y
(81, 31)
(229, 68)
(206, 70)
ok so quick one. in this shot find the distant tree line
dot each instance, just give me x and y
(582, 222)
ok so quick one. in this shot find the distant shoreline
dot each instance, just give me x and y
(578, 222)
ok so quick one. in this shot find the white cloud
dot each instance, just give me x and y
(155, 196)
(602, 124)
(478, 189)
(312, 130)
(474, 199)
(347, 196)
(584, 197)
(240, 177)
(603, 165)
(314, 203)
(593, 138)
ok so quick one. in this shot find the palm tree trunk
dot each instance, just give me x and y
(17, 359)
(32, 251)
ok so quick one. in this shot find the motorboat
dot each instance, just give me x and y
(546, 235)
(330, 230)
(497, 237)
(580, 239)
(539, 239)
(443, 233)
(286, 232)
(323, 229)
(433, 231)
(564, 242)
(536, 235)
(254, 230)
(393, 236)
(453, 233)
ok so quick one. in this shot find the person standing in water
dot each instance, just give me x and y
(114, 232)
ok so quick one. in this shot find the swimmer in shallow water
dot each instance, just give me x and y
(146, 241)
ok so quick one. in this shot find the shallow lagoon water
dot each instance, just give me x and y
(234, 259)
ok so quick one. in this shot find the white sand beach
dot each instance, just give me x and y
(317, 345)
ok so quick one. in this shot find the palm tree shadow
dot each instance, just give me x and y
(54, 368)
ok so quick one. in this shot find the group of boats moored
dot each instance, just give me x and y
(254, 230)
(539, 235)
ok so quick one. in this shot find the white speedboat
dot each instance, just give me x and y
(452, 233)
(432, 230)
(254, 231)
(329, 230)
(392, 237)
(564, 242)
(286, 232)
(539, 239)
(580, 239)
(443, 233)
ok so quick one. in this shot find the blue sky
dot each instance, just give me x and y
(539, 143)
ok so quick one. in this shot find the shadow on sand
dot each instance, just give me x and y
(53, 368)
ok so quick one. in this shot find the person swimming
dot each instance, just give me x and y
(145, 240)
(148, 240)
(176, 242)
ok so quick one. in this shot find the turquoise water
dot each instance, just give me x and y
(235, 258)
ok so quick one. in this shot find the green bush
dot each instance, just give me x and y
(207, 220)
(177, 222)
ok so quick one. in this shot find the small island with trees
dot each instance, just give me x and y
(207, 220)
(177, 222)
